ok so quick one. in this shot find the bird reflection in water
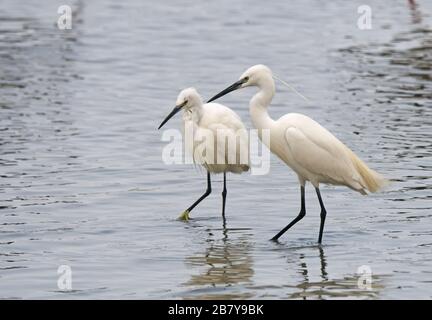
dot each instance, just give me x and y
(227, 263)
(327, 287)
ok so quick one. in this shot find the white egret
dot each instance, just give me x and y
(218, 141)
(304, 145)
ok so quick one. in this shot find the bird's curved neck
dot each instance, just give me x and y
(259, 104)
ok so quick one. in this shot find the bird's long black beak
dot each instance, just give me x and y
(234, 86)
(172, 114)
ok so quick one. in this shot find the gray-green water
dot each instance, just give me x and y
(82, 180)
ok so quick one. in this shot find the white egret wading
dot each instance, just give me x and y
(213, 126)
(304, 145)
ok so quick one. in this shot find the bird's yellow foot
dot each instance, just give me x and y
(184, 216)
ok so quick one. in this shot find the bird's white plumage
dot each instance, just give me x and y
(316, 154)
(304, 145)
(219, 140)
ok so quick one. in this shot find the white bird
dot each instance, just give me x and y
(304, 145)
(218, 139)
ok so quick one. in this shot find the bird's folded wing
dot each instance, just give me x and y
(320, 154)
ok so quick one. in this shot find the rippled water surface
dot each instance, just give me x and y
(82, 182)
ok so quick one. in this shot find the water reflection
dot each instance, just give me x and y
(37, 81)
(415, 12)
(314, 284)
(77, 129)
(399, 71)
(226, 262)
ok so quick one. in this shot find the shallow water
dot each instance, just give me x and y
(82, 180)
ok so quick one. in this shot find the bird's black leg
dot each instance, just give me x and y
(208, 191)
(224, 193)
(298, 218)
(323, 215)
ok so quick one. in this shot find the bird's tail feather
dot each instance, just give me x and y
(372, 180)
